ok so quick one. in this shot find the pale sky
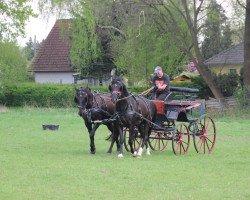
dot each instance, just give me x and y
(38, 27)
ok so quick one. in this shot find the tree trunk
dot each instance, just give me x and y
(246, 69)
(207, 76)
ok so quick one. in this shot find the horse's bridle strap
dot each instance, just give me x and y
(116, 92)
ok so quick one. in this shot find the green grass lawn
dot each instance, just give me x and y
(39, 164)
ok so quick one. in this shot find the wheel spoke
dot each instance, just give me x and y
(180, 147)
(204, 145)
(209, 140)
(183, 148)
(206, 125)
(177, 146)
(210, 128)
(207, 146)
(200, 139)
(181, 129)
(201, 144)
(185, 142)
(155, 144)
(162, 141)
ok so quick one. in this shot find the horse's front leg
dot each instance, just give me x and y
(92, 138)
(118, 128)
(89, 127)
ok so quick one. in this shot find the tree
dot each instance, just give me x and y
(246, 68)
(85, 48)
(29, 49)
(13, 15)
(89, 50)
(144, 45)
(13, 66)
(191, 13)
(134, 47)
(216, 32)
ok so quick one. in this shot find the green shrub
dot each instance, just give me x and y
(228, 83)
(58, 95)
(41, 95)
(47, 95)
(243, 96)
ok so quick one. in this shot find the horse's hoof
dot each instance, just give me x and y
(92, 152)
(135, 153)
(109, 152)
(120, 155)
(148, 152)
(139, 152)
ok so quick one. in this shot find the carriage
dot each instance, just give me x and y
(178, 118)
(178, 121)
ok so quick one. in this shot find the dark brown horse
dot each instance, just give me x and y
(94, 108)
(133, 111)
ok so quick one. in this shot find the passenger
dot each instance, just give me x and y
(160, 86)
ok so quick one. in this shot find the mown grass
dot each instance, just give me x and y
(39, 164)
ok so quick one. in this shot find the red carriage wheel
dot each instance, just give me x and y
(180, 139)
(158, 140)
(204, 135)
(136, 142)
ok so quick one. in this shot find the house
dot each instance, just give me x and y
(183, 77)
(229, 60)
(51, 63)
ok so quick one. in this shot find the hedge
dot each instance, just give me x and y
(52, 95)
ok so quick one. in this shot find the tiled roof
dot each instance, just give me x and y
(53, 55)
(233, 55)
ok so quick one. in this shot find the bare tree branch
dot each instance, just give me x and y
(241, 4)
(114, 28)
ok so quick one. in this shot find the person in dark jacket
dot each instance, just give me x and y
(160, 86)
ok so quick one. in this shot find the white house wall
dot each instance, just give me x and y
(54, 77)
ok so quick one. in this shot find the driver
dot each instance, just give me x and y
(160, 84)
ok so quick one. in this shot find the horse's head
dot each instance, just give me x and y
(84, 98)
(117, 90)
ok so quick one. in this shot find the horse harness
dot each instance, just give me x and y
(139, 113)
(87, 111)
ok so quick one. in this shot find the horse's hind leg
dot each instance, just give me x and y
(114, 138)
(144, 130)
(147, 138)
(131, 139)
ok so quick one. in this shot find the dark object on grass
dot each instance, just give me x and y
(50, 127)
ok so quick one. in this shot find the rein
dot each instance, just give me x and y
(124, 98)
(99, 106)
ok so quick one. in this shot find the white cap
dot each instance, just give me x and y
(157, 69)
